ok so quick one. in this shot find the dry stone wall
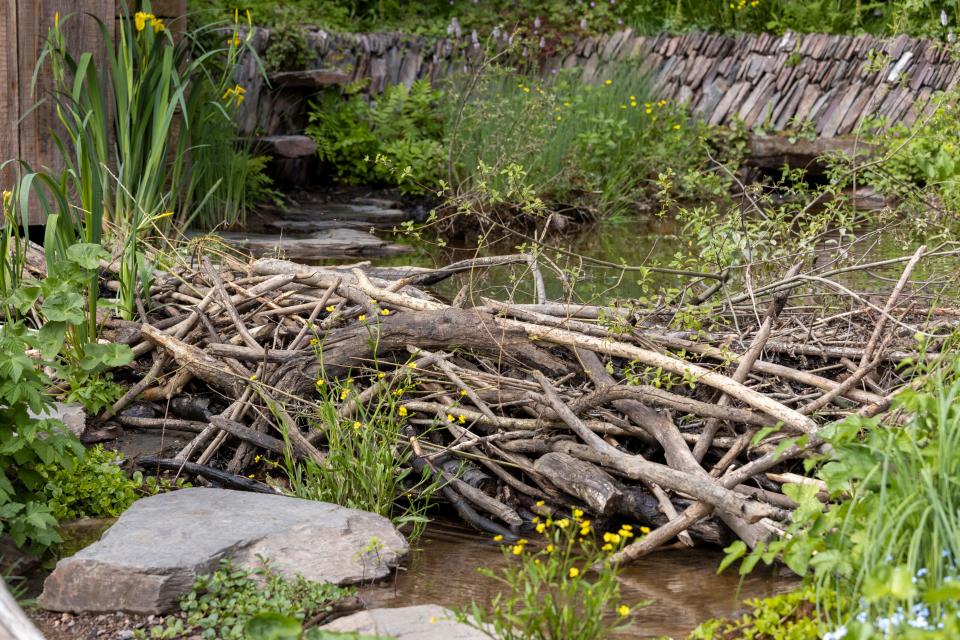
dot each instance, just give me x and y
(777, 82)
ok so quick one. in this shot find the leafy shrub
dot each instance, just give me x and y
(287, 49)
(222, 604)
(393, 139)
(27, 443)
(94, 487)
(887, 543)
(552, 593)
(64, 345)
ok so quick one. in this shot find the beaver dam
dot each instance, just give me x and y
(524, 409)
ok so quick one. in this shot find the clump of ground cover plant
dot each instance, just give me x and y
(236, 603)
(557, 587)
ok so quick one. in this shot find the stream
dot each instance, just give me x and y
(683, 585)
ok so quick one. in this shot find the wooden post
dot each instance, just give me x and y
(25, 127)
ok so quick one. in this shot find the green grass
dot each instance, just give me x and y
(367, 464)
(597, 145)
(884, 555)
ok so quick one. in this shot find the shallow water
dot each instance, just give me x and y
(683, 584)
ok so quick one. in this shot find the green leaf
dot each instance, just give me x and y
(763, 433)
(901, 583)
(87, 255)
(105, 355)
(947, 592)
(24, 297)
(272, 626)
(734, 552)
(63, 306)
(50, 338)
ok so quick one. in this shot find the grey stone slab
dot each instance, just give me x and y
(421, 622)
(156, 549)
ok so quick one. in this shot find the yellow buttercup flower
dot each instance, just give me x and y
(497, 538)
(623, 611)
(463, 392)
(611, 537)
(450, 418)
(362, 317)
(574, 572)
(540, 503)
(541, 528)
(608, 82)
(330, 308)
(356, 425)
(607, 547)
(676, 127)
(644, 530)
(517, 549)
(412, 365)
(577, 514)
(402, 412)
(381, 375)
(344, 394)
(563, 523)
(385, 312)
(314, 342)
(550, 548)
(462, 419)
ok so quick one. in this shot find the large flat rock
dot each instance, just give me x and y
(156, 549)
(422, 622)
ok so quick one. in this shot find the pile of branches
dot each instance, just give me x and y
(523, 409)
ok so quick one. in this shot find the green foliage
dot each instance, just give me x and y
(557, 19)
(888, 539)
(921, 155)
(287, 49)
(791, 616)
(27, 443)
(551, 593)
(598, 147)
(234, 603)
(94, 391)
(392, 139)
(368, 460)
(95, 487)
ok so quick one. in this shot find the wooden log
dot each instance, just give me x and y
(595, 487)
(14, 623)
(222, 478)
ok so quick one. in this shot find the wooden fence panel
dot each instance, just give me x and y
(9, 89)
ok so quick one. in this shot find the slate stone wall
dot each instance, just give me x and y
(833, 82)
